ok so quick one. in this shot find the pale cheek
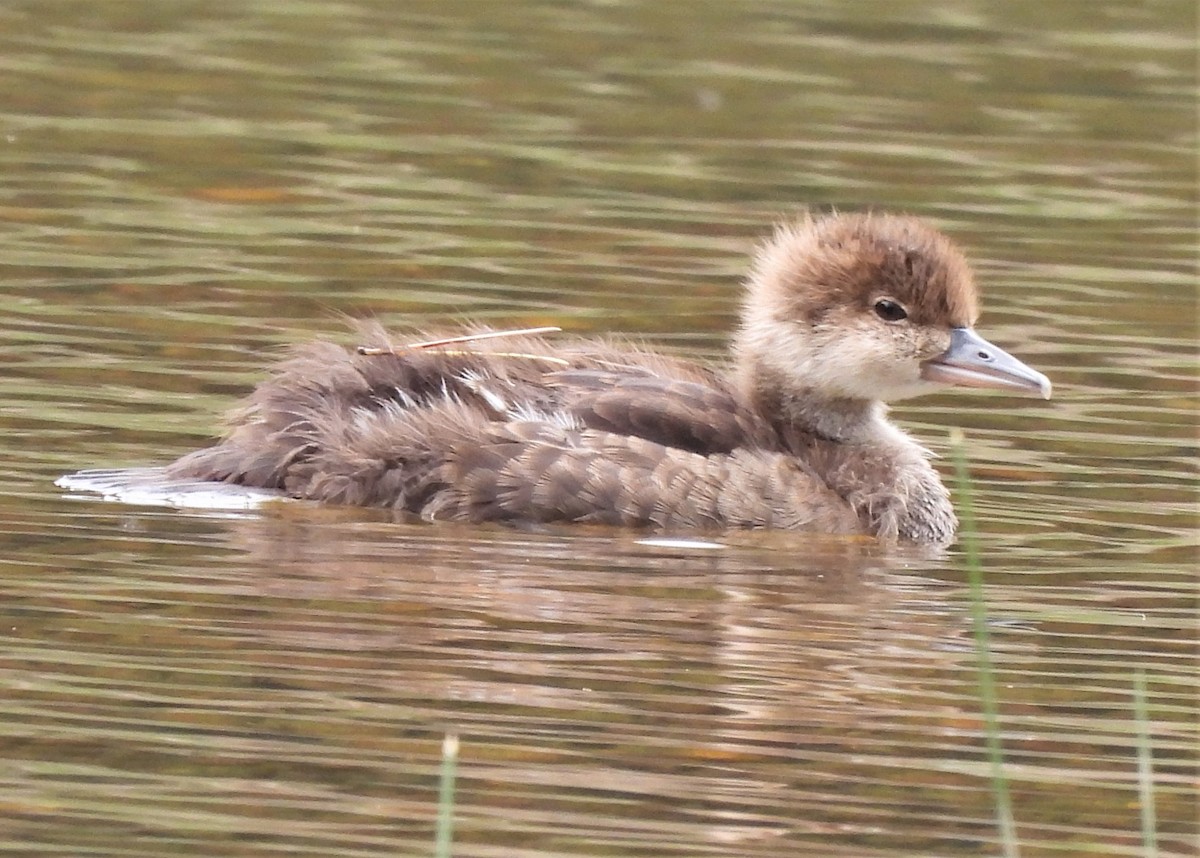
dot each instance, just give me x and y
(883, 372)
(778, 345)
(848, 360)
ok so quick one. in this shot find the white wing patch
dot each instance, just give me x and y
(526, 413)
(484, 386)
(496, 394)
(476, 382)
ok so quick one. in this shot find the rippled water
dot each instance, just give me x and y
(188, 187)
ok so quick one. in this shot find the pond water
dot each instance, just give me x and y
(188, 187)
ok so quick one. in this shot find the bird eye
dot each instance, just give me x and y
(890, 311)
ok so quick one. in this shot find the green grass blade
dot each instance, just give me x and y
(445, 816)
(1145, 763)
(987, 687)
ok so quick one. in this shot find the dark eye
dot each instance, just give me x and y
(890, 311)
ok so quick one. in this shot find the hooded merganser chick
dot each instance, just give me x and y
(842, 313)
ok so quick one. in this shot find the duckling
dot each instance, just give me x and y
(842, 314)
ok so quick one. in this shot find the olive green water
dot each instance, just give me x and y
(189, 186)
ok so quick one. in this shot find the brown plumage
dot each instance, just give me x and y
(842, 313)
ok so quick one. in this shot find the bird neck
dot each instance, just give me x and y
(884, 475)
(810, 410)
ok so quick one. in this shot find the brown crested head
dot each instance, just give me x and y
(866, 307)
(850, 307)
(820, 265)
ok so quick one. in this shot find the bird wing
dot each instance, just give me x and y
(683, 414)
